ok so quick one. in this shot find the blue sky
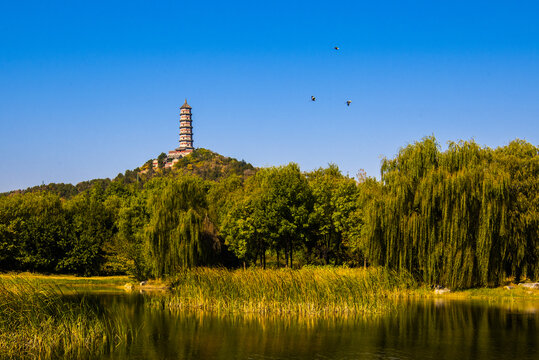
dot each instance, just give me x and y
(89, 89)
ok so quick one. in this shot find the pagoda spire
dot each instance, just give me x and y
(185, 105)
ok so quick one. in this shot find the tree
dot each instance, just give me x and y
(161, 160)
(32, 229)
(331, 221)
(451, 217)
(270, 213)
(179, 233)
(129, 240)
(521, 160)
(92, 226)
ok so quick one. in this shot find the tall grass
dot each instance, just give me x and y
(67, 280)
(308, 291)
(39, 322)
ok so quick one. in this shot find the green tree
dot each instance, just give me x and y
(179, 233)
(335, 203)
(91, 227)
(521, 160)
(270, 213)
(129, 240)
(32, 228)
(161, 160)
(451, 217)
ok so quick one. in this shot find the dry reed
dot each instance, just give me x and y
(308, 291)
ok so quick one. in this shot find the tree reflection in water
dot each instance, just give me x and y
(429, 329)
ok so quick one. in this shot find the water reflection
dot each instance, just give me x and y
(429, 329)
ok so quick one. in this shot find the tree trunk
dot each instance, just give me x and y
(327, 249)
(260, 251)
(256, 255)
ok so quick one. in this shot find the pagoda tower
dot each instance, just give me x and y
(186, 130)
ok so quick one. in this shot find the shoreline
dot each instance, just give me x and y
(121, 282)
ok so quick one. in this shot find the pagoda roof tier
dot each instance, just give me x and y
(185, 105)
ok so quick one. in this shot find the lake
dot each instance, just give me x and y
(420, 329)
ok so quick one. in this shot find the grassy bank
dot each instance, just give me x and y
(308, 291)
(38, 322)
(56, 280)
(492, 294)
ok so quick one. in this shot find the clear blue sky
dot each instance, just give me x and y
(89, 89)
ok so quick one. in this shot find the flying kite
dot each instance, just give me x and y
(336, 48)
(348, 102)
(313, 98)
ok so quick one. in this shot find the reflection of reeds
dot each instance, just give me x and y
(419, 329)
(40, 322)
(308, 291)
(518, 299)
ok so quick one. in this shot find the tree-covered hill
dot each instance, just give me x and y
(65, 191)
(203, 163)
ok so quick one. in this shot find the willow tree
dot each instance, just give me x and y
(521, 160)
(179, 233)
(444, 215)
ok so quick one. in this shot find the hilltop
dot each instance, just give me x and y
(201, 162)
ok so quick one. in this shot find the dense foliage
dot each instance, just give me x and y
(464, 217)
(467, 216)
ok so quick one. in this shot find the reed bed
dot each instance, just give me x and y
(67, 280)
(39, 322)
(307, 291)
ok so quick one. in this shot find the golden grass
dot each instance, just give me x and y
(307, 291)
(57, 279)
(39, 322)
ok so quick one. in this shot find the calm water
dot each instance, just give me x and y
(433, 329)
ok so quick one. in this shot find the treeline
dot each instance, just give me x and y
(464, 217)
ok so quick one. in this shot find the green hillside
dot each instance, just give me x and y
(204, 163)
